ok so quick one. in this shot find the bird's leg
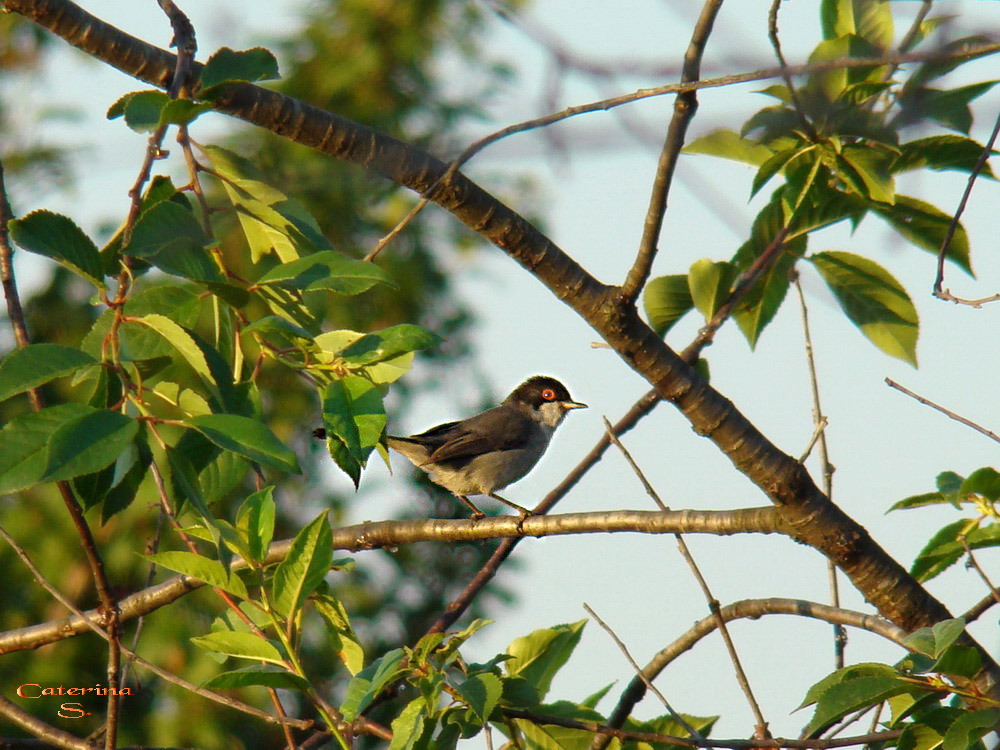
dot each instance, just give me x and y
(523, 511)
(476, 513)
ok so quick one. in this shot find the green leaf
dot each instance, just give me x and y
(255, 520)
(142, 109)
(243, 645)
(730, 145)
(871, 167)
(941, 552)
(170, 237)
(87, 443)
(35, 364)
(840, 699)
(123, 491)
(265, 675)
(831, 84)
(343, 458)
(776, 163)
(57, 237)
(950, 107)
(247, 437)
(24, 444)
(353, 413)
(710, 284)
(538, 656)
(274, 324)
(180, 340)
(344, 640)
(970, 727)
(941, 152)
(388, 343)
(225, 65)
(204, 569)
(271, 221)
(666, 299)
(869, 19)
(984, 481)
(304, 568)
(873, 300)
(367, 684)
(481, 692)
(925, 226)
(327, 271)
(408, 726)
(182, 111)
(382, 373)
(541, 736)
(959, 661)
(919, 501)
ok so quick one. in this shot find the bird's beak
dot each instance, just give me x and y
(567, 405)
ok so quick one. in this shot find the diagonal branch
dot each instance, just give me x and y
(685, 106)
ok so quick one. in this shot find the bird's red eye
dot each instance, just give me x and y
(549, 395)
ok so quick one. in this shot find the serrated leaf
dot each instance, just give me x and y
(873, 300)
(408, 726)
(345, 641)
(381, 373)
(538, 656)
(918, 501)
(730, 145)
(24, 444)
(141, 109)
(169, 237)
(869, 19)
(271, 221)
(959, 661)
(275, 324)
(204, 569)
(367, 684)
(265, 675)
(242, 645)
(775, 164)
(388, 343)
(481, 692)
(247, 437)
(36, 364)
(58, 237)
(853, 672)
(353, 413)
(182, 111)
(666, 299)
(123, 490)
(950, 107)
(541, 736)
(710, 283)
(255, 519)
(841, 699)
(925, 226)
(225, 65)
(872, 168)
(327, 271)
(941, 152)
(940, 553)
(180, 340)
(970, 727)
(304, 568)
(87, 443)
(984, 481)
(831, 84)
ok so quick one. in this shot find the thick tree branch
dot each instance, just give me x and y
(812, 519)
(381, 534)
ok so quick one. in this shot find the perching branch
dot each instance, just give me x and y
(381, 534)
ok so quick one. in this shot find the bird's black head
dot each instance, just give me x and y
(540, 390)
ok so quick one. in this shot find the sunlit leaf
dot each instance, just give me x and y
(58, 237)
(666, 299)
(247, 437)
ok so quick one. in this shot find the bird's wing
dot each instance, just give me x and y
(493, 430)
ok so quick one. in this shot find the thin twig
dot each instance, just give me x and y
(978, 609)
(772, 34)
(953, 226)
(638, 671)
(713, 603)
(952, 415)
(820, 421)
(994, 591)
(685, 107)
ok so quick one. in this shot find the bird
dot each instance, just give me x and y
(492, 449)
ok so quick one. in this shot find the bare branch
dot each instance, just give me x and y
(953, 226)
(685, 106)
(948, 413)
(751, 609)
